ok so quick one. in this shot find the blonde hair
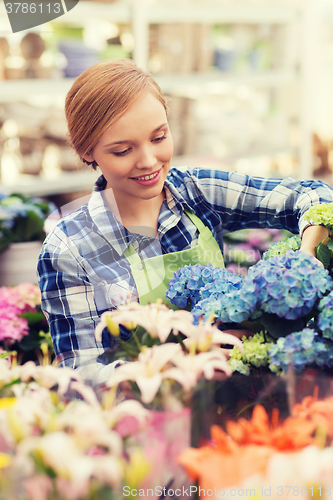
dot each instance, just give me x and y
(99, 96)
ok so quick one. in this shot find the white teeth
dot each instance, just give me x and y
(146, 177)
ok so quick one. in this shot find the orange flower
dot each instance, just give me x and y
(245, 448)
(293, 434)
(221, 468)
(319, 412)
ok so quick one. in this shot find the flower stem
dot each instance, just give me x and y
(128, 348)
(180, 340)
(135, 337)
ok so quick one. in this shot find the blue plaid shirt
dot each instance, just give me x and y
(83, 272)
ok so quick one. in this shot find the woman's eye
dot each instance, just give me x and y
(159, 139)
(121, 153)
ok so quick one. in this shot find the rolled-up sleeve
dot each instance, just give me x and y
(242, 201)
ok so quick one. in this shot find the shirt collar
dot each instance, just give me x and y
(116, 234)
(174, 200)
(107, 224)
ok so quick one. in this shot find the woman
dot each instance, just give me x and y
(144, 220)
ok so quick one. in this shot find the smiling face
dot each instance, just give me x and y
(134, 153)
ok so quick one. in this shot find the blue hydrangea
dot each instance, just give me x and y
(325, 317)
(192, 284)
(301, 349)
(287, 285)
(233, 307)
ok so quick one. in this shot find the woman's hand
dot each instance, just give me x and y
(239, 334)
(312, 236)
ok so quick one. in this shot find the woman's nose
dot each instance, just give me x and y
(146, 158)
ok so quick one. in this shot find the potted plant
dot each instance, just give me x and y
(21, 237)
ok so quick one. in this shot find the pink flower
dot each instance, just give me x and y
(128, 417)
(38, 487)
(12, 327)
(237, 269)
(72, 489)
(25, 296)
(29, 296)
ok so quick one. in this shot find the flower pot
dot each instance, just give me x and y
(18, 264)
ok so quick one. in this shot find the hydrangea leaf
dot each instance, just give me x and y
(33, 317)
(281, 327)
(323, 254)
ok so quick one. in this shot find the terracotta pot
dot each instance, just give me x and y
(18, 263)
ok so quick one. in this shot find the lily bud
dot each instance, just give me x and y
(130, 325)
(112, 327)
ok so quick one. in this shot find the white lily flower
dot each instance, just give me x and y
(148, 372)
(189, 367)
(156, 318)
(205, 335)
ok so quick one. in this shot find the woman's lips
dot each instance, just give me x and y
(147, 180)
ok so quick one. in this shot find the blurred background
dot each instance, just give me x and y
(249, 86)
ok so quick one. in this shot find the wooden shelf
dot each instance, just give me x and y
(211, 12)
(14, 90)
(64, 182)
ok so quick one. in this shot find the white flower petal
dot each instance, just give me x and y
(149, 387)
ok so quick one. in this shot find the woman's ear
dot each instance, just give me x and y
(89, 160)
(88, 157)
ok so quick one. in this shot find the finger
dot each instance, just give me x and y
(240, 333)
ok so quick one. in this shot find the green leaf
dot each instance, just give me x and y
(254, 326)
(330, 244)
(323, 254)
(281, 327)
(30, 342)
(29, 228)
(12, 382)
(21, 196)
(32, 317)
(129, 347)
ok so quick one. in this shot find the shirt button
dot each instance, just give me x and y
(140, 267)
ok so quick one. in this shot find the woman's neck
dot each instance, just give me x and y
(141, 217)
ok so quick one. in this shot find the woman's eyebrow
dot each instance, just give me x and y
(126, 141)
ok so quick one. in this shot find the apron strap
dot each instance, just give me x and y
(138, 270)
(131, 255)
(204, 231)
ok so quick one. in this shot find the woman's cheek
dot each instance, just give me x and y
(168, 151)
